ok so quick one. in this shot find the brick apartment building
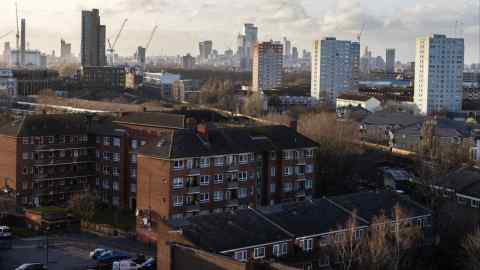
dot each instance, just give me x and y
(190, 172)
(297, 235)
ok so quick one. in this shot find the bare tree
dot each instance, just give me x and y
(471, 246)
(376, 253)
(84, 206)
(346, 244)
(253, 105)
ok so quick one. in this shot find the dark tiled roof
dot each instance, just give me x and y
(401, 119)
(47, 124)
(154, 119)
(202, 115)
(353, 96)
(308, 217)
(371, 204)
(186, 143)
(451, 128)
(465, 181)
(229, 230)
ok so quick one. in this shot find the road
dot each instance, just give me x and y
(65, 252)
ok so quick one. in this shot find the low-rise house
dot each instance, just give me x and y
(369, 103)
(461, 186)
(396, 179)
(297, 235)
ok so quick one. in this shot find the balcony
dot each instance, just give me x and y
(232, 184)
(232, 166)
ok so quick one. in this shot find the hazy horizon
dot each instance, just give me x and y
(183, 23)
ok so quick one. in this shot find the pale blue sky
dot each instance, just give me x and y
(182, 23)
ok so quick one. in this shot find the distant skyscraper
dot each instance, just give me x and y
(248, 40)
(287, 45)
(93, 39)
(188, 61)
(6, 52)
(439, 74)
(267, 66)
(140, 55)
(23, 42)
(390, 58)
(65, 49)
(295, 53)
(335, 68)
(205, 48)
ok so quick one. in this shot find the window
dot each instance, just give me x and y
(300, 170)
(25, 155)
(50, 139)
(106, 155)
(280, 249)
(177, 201)
(106, 170)
(116, 171)
(242, 192)
(133, 158)
(287, 171)
(475, 203)
(106, 141)
(240, 255)
(287, 187)
(116, 157)
(178, 164)
(219, 161)
(204, 180)
(243, 158)
(358, 234)
(134, 144)
(133, 172)
(309, 153)
(308, 184)
(218, 178)
(142, 142)
(273, 171)
(306, 244)
(116, 141)
(97, 181)
(259, 253)
(204, 163)
(243, 176)
(26, 140)
(420, 222)
(84, 139)
(133, 188)
(115, 186)
(273, 188)
(98, 139)
(287, 155)
(309, 168)
(217, 196)
(273, 155)
(177, 182)
(204, 197)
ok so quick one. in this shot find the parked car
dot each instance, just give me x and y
(97, 252)
(5, 232)
(125, 265)
(112, 256)
(31, 266)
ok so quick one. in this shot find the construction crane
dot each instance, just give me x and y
(359, 36)
(5, 35)
(18, 36)
(151, 37)
(111, 47)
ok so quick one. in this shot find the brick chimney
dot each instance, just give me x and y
(293, 124)
(202, 131)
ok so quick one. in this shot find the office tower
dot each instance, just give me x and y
(188, 61)
(6, 52)
(205, 48)
(93, 39)
(140, 55)
(65, 49)
(247, 40)
(267, 66)
(287, 45)
(390, 57)
(335, 68)
(439, 74)
(22, 42)
(295, 53)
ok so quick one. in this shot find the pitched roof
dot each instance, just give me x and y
(46, 124)
(187, 143)
(154, 119)
(308, 217)
(401, 119)
(464, 180)
(229, 230)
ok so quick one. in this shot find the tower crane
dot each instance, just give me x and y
(17, 36)
(151, 37)
(359, 36)
(111, 46)
(5, 35)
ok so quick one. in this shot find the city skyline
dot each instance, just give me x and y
(184, 23)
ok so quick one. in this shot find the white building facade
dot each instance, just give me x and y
(335, 68)
(439, 74)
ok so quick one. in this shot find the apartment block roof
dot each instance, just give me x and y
(465, 181)
(46, 125)
(401, 119)
(230, 231)
(154, 119)
(221, 141)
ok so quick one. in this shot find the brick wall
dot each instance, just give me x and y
(8, 161)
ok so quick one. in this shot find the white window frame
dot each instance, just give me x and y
(177, 183)
(204, 180)
(306, 244)
(241, 255)
(134, 144)
(273, 171)
(115, 171)
(287, 187)
(177, 201)
(309, 184)
(287, 171)
(309, 168)
(219, 161)
(106, 141)
(206, 197)
(242, 193)
(280, 249)
(218, 196)
(116, 141)
(243, 176)
(259, 252)
(116, 156)
(243, 159)
(178, 164)
(218, 178)
(204, 162)
(115, 186)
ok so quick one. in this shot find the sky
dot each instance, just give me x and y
(183, 23)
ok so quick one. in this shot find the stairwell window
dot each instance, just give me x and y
(259, 253)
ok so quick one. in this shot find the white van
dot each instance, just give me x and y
(5, 232)
(125, 265)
